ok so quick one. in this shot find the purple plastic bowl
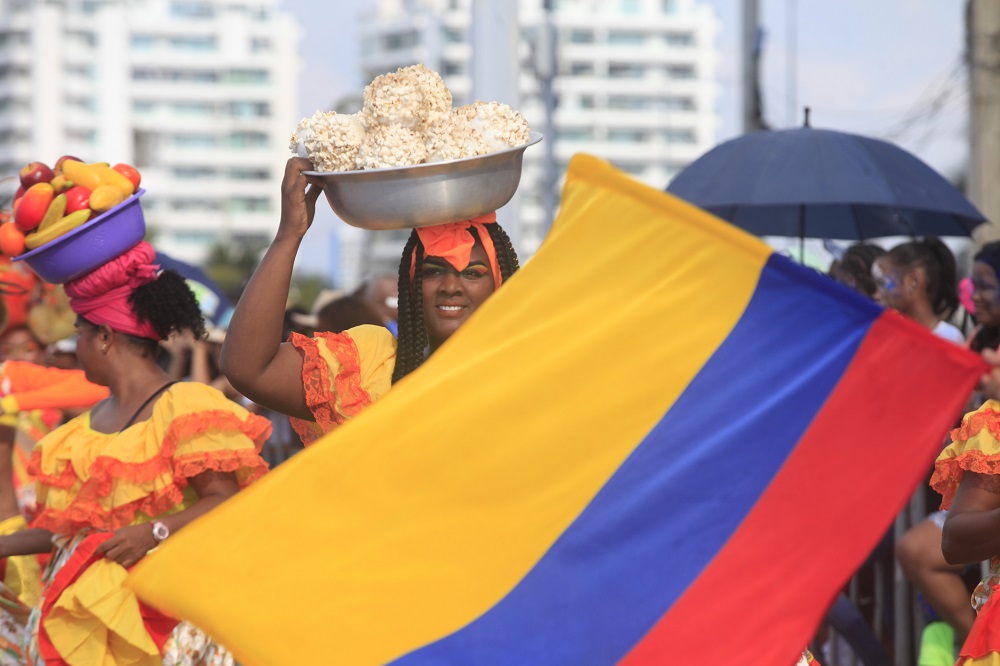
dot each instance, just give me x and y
(91, 244)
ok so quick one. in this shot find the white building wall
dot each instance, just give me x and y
(200, 95)
(635, 85)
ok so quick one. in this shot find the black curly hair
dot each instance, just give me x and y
(169, 305)
(412, 333)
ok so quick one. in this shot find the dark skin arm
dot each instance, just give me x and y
(254, 358)
(972, 529)
(33, 541)
(130, 544)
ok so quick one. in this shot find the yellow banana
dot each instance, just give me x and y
(109, 176)
(54, 212)
(106, 197)
(57, 229)
(82, 174)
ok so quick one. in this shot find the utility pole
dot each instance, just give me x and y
(983, 57)
(751, 48)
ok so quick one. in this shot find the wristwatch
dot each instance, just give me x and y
(160, 531)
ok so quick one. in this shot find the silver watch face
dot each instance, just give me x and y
(160, 531)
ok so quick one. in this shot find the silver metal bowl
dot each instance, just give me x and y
(425, 194)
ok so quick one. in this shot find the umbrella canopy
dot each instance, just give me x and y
(815, 183)
(213, 301)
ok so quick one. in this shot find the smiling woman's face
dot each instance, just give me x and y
(450, 296)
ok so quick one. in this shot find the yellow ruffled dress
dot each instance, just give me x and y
(342, 374)
(975, 447)
(89, 481)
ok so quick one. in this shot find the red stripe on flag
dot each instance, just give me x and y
(764, 594)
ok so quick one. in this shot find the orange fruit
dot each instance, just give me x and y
(11, 239)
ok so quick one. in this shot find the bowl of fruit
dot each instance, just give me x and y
(73, 218)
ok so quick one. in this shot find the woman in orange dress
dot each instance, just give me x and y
(116, 481)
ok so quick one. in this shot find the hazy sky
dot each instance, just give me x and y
(885, 68)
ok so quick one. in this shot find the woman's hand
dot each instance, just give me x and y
(298, 198)
(129, 544)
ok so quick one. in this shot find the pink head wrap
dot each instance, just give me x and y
(101, 296)
(453, 242)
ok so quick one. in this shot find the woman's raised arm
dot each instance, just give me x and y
(254, 358)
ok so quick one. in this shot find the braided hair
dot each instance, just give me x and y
(410, 351)
(939, 266)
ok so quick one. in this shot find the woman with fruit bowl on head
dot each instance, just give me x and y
(446, 273)
(116, 481)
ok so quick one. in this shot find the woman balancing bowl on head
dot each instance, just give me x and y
(446, 272)
(119, 479)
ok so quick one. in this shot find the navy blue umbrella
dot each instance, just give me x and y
(814, 183)
(213, 301)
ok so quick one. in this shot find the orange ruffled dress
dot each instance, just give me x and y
(342, 374)
(90, 481)
(975, 447)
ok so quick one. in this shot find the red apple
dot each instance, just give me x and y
(129, 172)
(59, 162)
(36, 172)
(19, 192)
(77, 198)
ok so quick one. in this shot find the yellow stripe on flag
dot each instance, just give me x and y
(422, 513)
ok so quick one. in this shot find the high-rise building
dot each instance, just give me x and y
(199, 95)
(634, 83)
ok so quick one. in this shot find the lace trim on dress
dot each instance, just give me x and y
(173, 471)
(948, 473)
(329, 408)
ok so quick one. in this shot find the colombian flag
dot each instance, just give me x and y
(659, 443)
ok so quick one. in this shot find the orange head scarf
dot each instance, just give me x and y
(453, 242)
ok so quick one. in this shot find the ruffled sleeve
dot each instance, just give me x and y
(343, 373)
(90, 479)
(974, 448)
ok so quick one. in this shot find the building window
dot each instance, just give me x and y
(245, 173)
(194, 108)
(143, 107)
(675, 104)
(84, 103)
(401, 40)
(81, 38)
(80, 70)
(81, 135)
(192, 10)
(626, 136)
(453, 36)
(625, 71)
(143, 42)
(193, 173)
(575, 134)
(260, 45)
(249, 109)
(451, 69)
(194, 140)
(196, 204)
(627, 102)
(581, 69)
(193, 43)
(679, 39)
(587, 102)
(676, 135)
(248, 140)
(581, 36)
(245, 76)
(680, 71)
(630, 6)
(249, 205)
(669, 6)
(629, 38)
